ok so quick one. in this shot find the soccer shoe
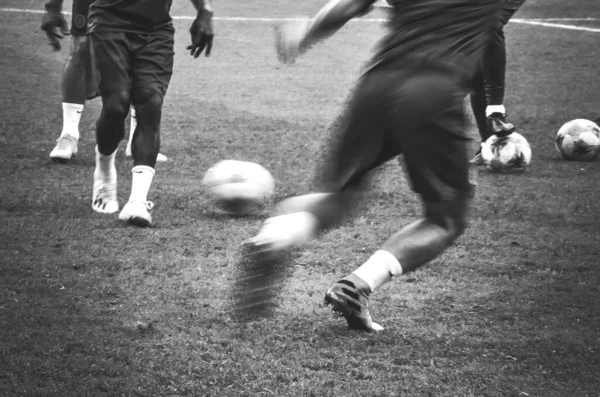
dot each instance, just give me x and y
(104, 195)
(350, 298)
(65, 149)
(137, 213)
(477, 159)
(497, 125)
(160, 158)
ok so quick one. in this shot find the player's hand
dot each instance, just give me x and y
(289, 40)
(54, 25)
(201, 33)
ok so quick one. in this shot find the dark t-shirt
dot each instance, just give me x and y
(138, 16)
(451, 34)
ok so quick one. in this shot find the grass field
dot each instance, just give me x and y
(91, 307)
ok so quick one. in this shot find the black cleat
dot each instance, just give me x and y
(477, 159)
(497, 125)
(350, 298)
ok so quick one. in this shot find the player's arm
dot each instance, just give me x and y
(295, 38)
(201, 31)
(54, 23)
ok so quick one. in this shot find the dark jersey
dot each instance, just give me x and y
(138, 16)
(451, 34)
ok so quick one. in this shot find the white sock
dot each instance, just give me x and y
(494, 109)
(379, 269)
(71, 116)
(142, 176)
(105, 164)
(132, 126)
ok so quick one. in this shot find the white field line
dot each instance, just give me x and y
(546, 22)
(540, 22)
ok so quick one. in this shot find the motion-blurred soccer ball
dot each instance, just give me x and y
(239, 186)
(578, 139)
(510, 153)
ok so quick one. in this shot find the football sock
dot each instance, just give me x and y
(105, 164)
(491, 109)
(379, 269)
(132, 126)
(71, 116)
(142, 176)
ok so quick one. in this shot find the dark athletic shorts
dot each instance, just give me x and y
(415, 112)
(130, 61)
(509, 8)
(79, 18)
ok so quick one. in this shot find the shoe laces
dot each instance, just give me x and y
(149, 205)
(65, 142)
(107, 189)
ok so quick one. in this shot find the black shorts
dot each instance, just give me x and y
(417, 113)
(130, 61)
(509, 8)
(79, 17)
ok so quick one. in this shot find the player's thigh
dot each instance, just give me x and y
(152, 66)
(79, 17)
(111, 60)
(358, 142)
(431, 130)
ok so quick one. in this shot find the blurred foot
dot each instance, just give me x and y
(477, 159)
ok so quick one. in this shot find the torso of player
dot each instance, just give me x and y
(130, 15)
(448, 33)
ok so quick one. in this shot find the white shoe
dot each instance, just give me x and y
(160, 158)
(104, 197)
(137, 213)
(65, 149)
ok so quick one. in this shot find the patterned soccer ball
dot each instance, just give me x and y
(239, 186)
(578, 139)
(510, 153)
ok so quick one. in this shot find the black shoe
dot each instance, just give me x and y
(349, 297)
(477, 159)
(497, 125)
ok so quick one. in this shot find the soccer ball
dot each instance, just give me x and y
(239, 186)
(510, 153)
(578, 139)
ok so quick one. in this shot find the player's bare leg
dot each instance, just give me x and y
(160, 158)
(144, 149)
(73, 99)
(110, 130)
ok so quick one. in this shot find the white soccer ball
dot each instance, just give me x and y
(578, 139)
(510, 153)
(239, 186)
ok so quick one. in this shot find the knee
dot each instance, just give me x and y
(149, 100)
(116, 105)
(452, 217)
(454, 225)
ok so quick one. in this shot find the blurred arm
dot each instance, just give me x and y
(55, 5)
(201, 5)
(334, 15)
